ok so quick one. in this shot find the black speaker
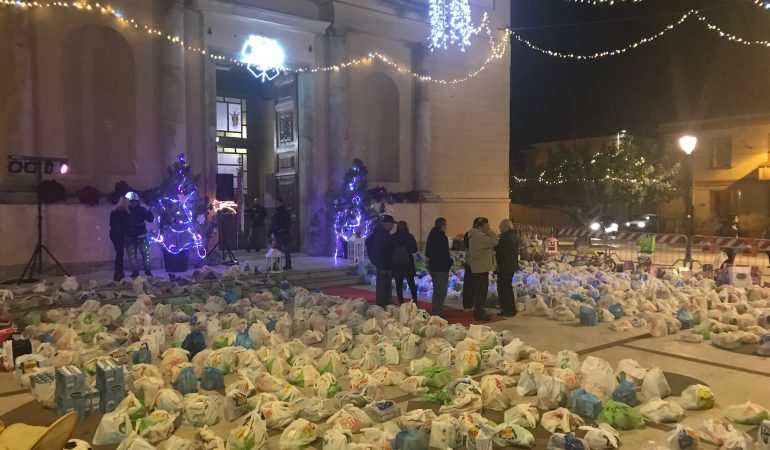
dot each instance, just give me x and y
(225, 189)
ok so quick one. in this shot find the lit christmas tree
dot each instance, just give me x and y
(179, 229)
(352, 211)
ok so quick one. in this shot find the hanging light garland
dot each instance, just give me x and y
(497, 48)
(451, 24)
(764, 4)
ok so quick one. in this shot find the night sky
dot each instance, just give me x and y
(689, 73)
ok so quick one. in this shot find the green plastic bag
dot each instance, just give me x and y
(438, 377)
(705, 333)
(620, 416)
(442, 396)
(647, 244)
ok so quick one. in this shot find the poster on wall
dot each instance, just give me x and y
(222, 116)
(234, 116)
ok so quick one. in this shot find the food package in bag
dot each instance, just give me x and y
(567, 359)
(412, 347)
(135, 442)
(417, 418)
(212, 379)
(523, 414)
(349, 418)
(438, 377)
(303, 376)
(416, 365)
(568, 377)
(529, 379)
(176, 443)
(250, 434)
(157, 426)
(465, 402)
(661, 411)
(515, 350)
(200, 410)
(235, 404)
(298, 435)
(469, 363)
(625, 392)
(620, 416)
(171, 358)
(448, 357)
(568, 441)
(335, 439)
(683, 438)
(551, 393)
(714, 431)
(387, 376)
(416, 385)
(698, 397)
(747, 414)
(387, 354)
(479, 437)
(598, 377)
(184, 379)
(445, 432)
(585, 404)
(727, 341)
(169, 400)
(631, 370)
(561, 420)
(146, 390)
(509, 434)
(603, 437)
(763, 347)
(655, 385)
(326, 386)
(113, 428)
(206, 439)
(278, 414)
(738, 440)
(382, 411)
(332, 362)
(492, 392)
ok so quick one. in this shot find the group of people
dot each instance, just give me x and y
(392, 254)
(128, 232)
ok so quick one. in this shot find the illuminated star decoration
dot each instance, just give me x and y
(451, 24)
(263, 57)
(178, 231)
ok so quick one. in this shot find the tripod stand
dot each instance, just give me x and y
(227, 257)
(35, 263)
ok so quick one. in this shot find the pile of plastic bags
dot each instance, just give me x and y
(325, 370)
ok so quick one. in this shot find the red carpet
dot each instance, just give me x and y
(453, 315)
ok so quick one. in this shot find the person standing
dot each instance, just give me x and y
(280, 229)
(482, 249)
(467, 272)
(257, 215)
(136, 237)
(507, 253)
(439, 263)
(404, 248)
(380, 248)
(119, 219)
(766, 235)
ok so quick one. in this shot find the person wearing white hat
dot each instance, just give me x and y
(136, 236)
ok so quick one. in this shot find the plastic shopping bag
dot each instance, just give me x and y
(603, 437)
(698, 397)
(597, 377)
(250, 434)
(509, 434)
(655, 385)
(298, 435)
(523, 414)
(561, 420)
(157, 426)
(683, 438)
(747, 414)
(620, 416)
(492, 392)
(552, 393)
(568, 441)
(200, 410)
(445, 432)
(585, 404)
(661, 411)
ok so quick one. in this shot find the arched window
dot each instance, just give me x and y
(99, 102)
(382, 128)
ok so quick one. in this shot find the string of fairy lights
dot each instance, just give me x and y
(498, 47)
(764, 4)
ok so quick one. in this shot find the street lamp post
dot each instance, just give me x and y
(687, 144)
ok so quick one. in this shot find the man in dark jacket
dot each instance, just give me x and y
(136, 235)
(507, 255)
(280, 229)
(380, 247)
(439, 263)
(467, 278)
(257, 215)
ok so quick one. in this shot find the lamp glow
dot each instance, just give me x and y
(263, 57)
(688, 143)
(64, 169)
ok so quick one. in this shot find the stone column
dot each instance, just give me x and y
(174, 120)
(339, 106)
(422, 120)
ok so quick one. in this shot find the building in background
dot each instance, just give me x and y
(121, 103)
(731, 172)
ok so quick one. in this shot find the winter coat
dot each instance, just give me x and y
(507, 252)
(406, 240)
(482, 250)
(380, 248)
(280, 227)
(119, 220)
(136, 218)
(437, 251)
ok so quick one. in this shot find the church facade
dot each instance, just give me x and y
(120, 102)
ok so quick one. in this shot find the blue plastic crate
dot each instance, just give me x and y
(109, 374)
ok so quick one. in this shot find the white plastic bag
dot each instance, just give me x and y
(492, 392)
(523, 414)
(298, 435)
(250, 434)
(561, 420)
(603, 437)
(528, 380)
(697, 397)
(683, 438)
(552, 393)
(655, 385)
(349, 418)
(598, 377)
(278, 414)
(200, 410)
(445, 432)
(661, 411)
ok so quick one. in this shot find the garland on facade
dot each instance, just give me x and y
(380, 194)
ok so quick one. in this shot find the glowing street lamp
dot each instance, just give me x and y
(687, 144)
(264, 57)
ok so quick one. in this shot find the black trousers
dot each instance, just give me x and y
(468, 292)
(480, 291)
(119, 242)
(400, 286)
(282, 243)
(505, 292)
(730, 257)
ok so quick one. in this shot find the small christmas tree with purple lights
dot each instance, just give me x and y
(352, 211)
(179, 229)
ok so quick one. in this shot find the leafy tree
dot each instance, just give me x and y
(584, 183)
